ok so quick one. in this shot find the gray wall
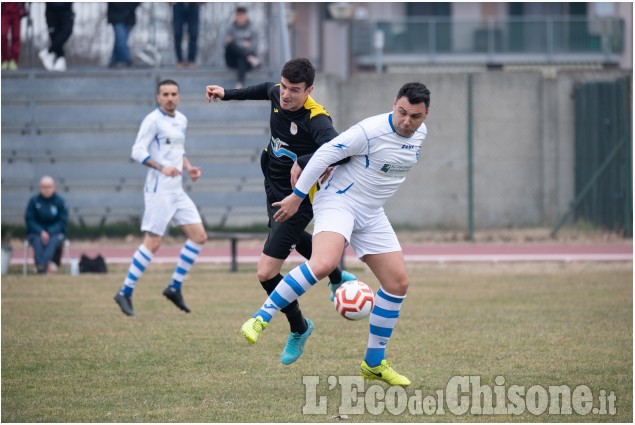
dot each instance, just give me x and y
(523, 138)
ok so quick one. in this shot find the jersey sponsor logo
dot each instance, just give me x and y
(408, 146)
(279, 149)
(394, 170)
(294, 128)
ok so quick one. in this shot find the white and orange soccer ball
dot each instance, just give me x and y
(354, 300)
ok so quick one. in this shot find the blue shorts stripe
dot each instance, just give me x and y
(138, 264)
(388, 297)
(144, 256)
(307, 274)
(299, 290)
(388, 314)
(379, 331)
(181, 270)
(187, 259)
(189, 248)
(132, 277)
(278, 300)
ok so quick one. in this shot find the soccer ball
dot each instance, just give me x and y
(354, 300)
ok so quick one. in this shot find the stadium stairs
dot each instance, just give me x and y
(79, 127)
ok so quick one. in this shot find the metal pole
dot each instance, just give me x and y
(284, 34)
(470, 160)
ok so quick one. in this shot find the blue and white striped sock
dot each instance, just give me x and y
(382, 321)
(189, 254)
(290, 288)
(140, 261)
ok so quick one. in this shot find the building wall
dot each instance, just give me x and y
(523, 144)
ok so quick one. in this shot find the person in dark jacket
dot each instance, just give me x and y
(122, 18)
(46, 224)
(60, 19)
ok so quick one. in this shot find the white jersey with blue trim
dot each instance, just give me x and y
(380, 159)
(162, 138)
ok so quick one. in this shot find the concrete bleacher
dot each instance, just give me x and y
(79, 127)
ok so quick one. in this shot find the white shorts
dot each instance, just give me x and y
(161, 208)
(367, 231)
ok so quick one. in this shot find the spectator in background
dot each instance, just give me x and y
(46, 224)
(185, 14)
(12, 14)
(241, 46)
(59, 19)
(123, 19)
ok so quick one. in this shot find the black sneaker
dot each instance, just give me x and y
(176, 297)
(125, 303)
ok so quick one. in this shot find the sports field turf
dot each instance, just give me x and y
(69, 355)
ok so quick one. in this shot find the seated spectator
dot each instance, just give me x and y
(46, 224)
(241, 45)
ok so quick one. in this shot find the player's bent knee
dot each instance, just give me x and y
(322, 267)
(200, 238)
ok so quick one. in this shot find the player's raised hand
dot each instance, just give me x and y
(194, 173)
(214, 93)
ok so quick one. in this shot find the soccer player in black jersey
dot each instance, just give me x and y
(299, 126)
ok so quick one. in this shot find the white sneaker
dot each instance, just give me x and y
(47, 58)
(60, 64)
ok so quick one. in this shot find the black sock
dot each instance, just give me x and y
(292, 311)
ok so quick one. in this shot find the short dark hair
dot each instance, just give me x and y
(415, 92)
(167, 83)
(299, 70)
(241, 9)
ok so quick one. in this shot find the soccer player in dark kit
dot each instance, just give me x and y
(299, 126)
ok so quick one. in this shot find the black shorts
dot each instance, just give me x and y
(284, 236)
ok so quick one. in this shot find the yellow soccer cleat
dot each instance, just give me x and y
(252, 328)
(384, 372)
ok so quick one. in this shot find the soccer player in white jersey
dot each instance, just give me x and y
(160, 146)
(349, 209)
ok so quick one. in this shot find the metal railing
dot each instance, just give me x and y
(530, 39)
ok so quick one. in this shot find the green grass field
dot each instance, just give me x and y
(69, 355)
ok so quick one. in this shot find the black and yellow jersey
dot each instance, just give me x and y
(295, 135)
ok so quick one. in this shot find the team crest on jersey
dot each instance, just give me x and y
(294, 128)
(279, 149)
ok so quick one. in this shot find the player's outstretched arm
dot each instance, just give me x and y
(214, 93)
